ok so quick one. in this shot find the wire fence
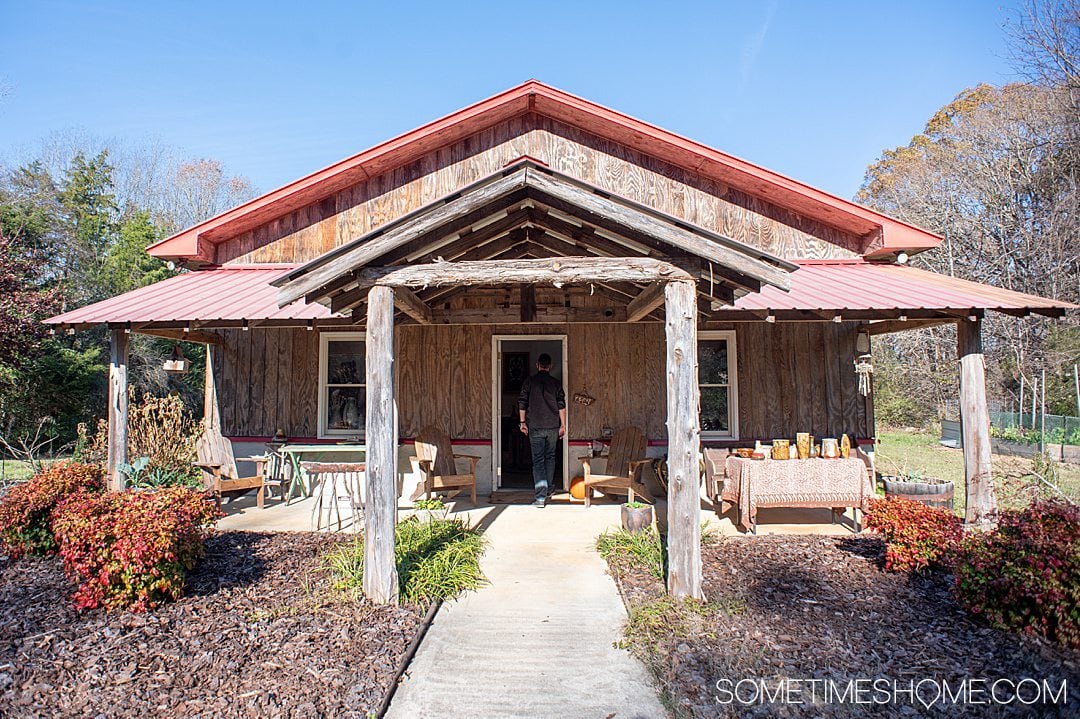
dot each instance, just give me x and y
(1028, 427)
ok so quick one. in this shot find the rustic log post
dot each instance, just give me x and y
(211, 412)
(684, 500)
(380, 515)
(975, 424)
(118, 408)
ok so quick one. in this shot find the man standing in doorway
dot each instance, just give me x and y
(542, 410)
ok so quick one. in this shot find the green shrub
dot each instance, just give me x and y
(436, 559)
(132, 549)
(916, 535)
(27, 510)
(1025, 575)
(640, 549)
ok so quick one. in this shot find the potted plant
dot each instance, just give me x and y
(636, 516)
(916, 485)
(425, 510)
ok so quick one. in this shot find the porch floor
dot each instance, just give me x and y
(242, 514)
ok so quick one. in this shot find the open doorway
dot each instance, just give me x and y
(514, 359)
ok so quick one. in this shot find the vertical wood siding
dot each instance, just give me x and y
(792, 377)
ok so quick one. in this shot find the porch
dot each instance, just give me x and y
(562, 515)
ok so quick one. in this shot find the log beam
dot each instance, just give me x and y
(684, 496)
(885, 327)
(380, 515)
(118, 408)
(557, 271)
(196, 336)
(979, 501)
(407, 301)
(649, 299)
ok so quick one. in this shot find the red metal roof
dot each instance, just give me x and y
(884, 234)
(856, 285)
(853, 288)
(224, 294)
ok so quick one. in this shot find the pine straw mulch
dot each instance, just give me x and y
(259, 633)
(822, 608)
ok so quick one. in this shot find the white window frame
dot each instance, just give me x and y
(325, 338)
(732, 385)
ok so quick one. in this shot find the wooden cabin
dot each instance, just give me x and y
(681, 290)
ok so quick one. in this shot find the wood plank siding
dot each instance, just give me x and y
(309, 232)
(792, 377)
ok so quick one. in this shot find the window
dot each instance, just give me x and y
(342, 376)
(717, 382)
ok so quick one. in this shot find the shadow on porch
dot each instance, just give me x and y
(561, 514)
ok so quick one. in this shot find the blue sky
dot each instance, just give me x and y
(812, 89)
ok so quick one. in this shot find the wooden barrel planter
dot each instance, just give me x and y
(931, 491)
(636, 519)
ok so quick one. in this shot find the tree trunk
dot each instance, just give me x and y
(380, 510)
(684, 500)
(975, 425)
(118, 408)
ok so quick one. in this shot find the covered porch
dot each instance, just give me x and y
(695, 338)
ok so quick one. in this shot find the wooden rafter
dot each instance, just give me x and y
(649, 299)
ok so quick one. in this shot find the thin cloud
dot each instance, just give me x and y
(752, 47)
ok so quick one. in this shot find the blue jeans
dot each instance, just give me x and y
(543, 443)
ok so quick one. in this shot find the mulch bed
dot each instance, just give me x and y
(822, 608)
(259, 633)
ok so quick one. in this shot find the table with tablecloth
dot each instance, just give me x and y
(751, 484)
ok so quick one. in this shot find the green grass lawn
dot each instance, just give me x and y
(12, 470)
(1014, 477)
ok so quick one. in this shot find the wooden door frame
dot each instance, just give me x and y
(496, 395)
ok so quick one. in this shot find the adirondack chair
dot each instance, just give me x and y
(626, 457)
(218, 463)
(437, 462)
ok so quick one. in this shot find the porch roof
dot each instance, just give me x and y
(215, 297)
(228, 296)
(858, 289)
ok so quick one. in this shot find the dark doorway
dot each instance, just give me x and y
(518, 361)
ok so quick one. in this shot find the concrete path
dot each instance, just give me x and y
(539, 641)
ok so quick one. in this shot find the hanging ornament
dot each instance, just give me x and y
(178, 363)
(864, 368)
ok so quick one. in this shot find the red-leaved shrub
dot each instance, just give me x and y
(1025, 575)
(917, 536)
(26, 511)
(132, 548)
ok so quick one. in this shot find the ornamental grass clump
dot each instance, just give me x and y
(436, 559)
(640, 549)
(132, 549)
(26, 511)
(917, 536)
(1025, 575)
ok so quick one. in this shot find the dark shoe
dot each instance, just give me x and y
(541, 503)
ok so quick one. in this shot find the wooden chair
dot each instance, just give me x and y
(626, 457)
(218, 463)
(437, 462)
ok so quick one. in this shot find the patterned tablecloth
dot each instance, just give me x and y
(753, 483)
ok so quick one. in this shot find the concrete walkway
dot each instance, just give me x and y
(539, 641)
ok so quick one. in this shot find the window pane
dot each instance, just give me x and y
(345, 408)
(345, 362)
(712, 362)
(714, 409)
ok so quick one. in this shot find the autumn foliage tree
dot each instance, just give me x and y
(996, 172)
